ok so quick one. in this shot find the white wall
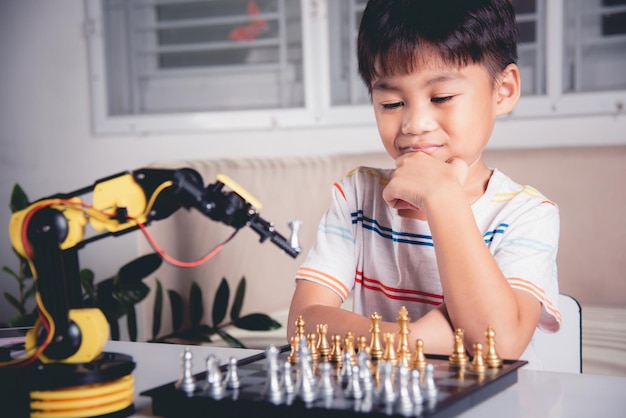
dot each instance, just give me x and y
(47, 146)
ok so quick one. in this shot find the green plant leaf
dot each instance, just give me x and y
(10, 272)
(19, 200)
(196, 308)
(176, 304)
(220, 303)
(157, 309)
(235, 311)
(257, 322)
(131, 323)
(15, 303)
(139, 268)
(232, 341)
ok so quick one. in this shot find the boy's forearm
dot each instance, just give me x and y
(476, 292)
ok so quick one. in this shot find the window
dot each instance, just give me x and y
(197, 65)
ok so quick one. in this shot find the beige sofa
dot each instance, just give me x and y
(586, 183)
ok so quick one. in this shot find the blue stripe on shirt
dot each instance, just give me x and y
(388, 233)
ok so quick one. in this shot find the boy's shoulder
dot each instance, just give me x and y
(503, 189)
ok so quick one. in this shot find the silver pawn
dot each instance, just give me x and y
(326, 386)
(272, 388)
(387, 388)
(287, 379)
(186, 382)
(232, 376)
(405, 402)
(354, 389)
(416, 391)
(429, 388)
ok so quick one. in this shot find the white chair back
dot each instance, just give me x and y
(562, 351)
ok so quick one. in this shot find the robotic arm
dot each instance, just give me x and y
(50, 231)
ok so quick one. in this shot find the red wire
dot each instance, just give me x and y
(178, 263)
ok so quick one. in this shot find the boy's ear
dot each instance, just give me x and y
(509, 89)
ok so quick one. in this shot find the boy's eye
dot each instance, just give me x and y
(390, 106)
(441, 99)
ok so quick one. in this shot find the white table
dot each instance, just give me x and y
(537, 394)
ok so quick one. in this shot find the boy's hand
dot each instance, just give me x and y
(419, 177)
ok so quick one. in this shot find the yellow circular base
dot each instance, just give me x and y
(83, 401)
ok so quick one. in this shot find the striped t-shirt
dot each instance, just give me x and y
(388, 261)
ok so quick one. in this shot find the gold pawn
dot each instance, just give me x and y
(419, 359)
(323, 346)
(293, 354)
(348, 346)
(458, 358)
(390, 354)
(361, 344)
(300, 327)
(404, 350)
(478, 364)
(376, 348)
(335, 353)
(312, 343)
(492, 358)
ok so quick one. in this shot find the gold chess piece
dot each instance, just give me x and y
(312, 344)
(376, 347)
(459, 357)
(403, 349)
(390, 354)
(293, 354)
(348, 346)
(419, 359)
(492, 358)
(336, 353)
(478, 362)
(323, 346)
(300, 327)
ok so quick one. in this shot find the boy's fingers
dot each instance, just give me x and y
(460, 167)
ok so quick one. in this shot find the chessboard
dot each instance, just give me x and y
(342, 379)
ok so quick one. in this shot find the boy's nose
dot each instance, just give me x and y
(418, 121)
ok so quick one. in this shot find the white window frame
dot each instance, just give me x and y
(536, 112)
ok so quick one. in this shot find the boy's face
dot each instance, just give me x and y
(438, 109)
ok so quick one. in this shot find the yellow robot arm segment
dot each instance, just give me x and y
(235, 187)
(106, 198)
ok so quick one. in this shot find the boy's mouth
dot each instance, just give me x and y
(425, 148)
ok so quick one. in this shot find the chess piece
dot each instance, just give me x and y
(429, 387)
(213, 385)
(416, 391)
(419, 359)
(478, 362)
(288, 383)
(300, 327)
(326, 386)
(336, 354)
(390, 354)
(365, 371)
(272, 390)
(312, 342)
(232, 375)
(387, 388)
(492, 358)
(346, 371)
(295, 345)
(403, 349)
(458, 358)
(353, 389)
(323, 346)
(348, 347)
(305, 384)
(186, 382)
(376, 348)
(405, 400)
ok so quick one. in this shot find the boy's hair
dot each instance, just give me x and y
(395, 36)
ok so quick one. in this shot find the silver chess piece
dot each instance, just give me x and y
(429, 387)
(272, 390)
(294, 227)
(232, 375)
(186, 382)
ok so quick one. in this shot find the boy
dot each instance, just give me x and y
(458, 244)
